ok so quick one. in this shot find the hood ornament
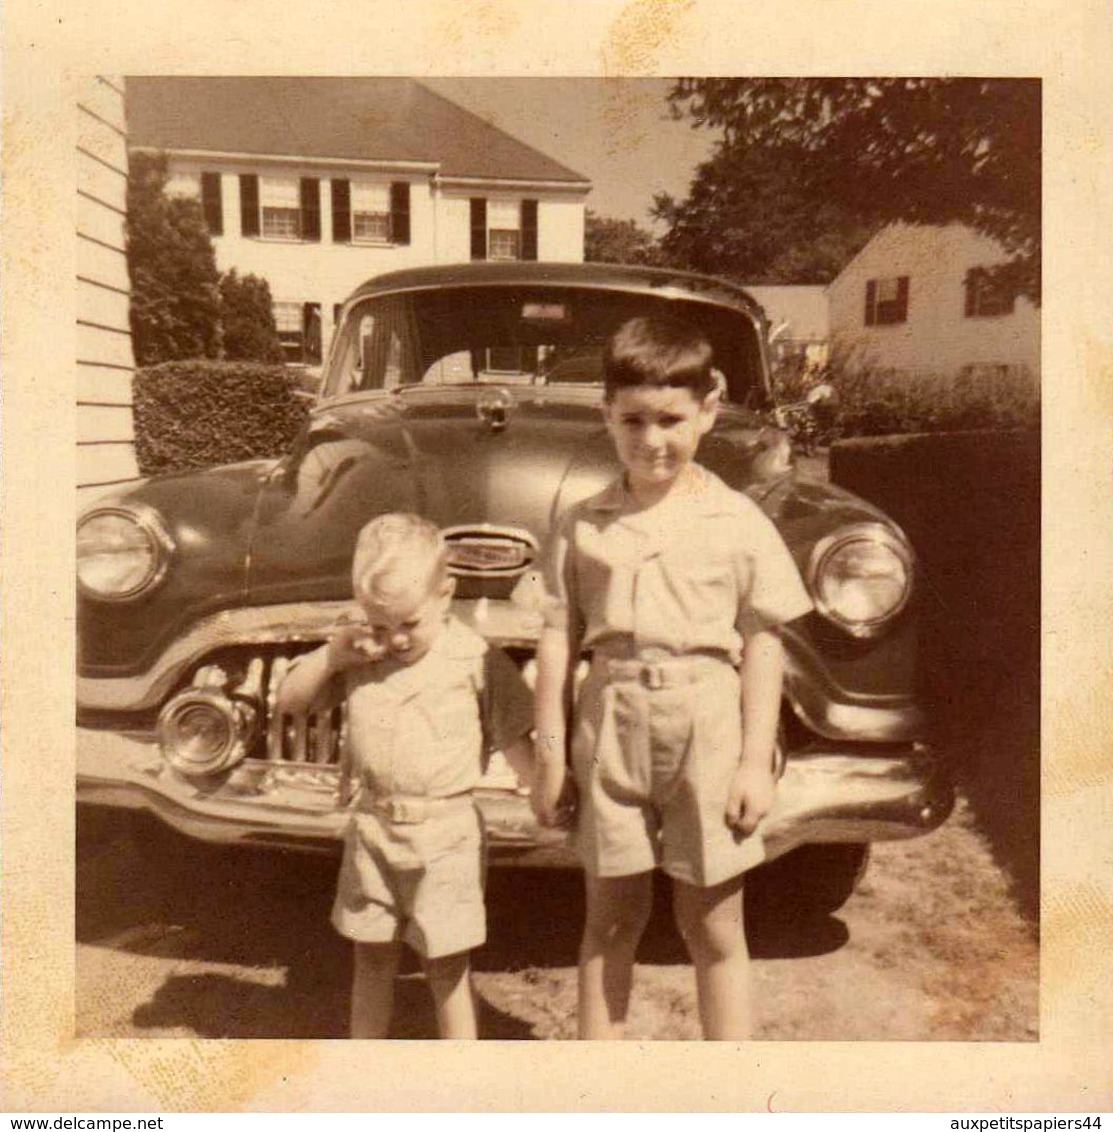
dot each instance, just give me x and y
(493, 406)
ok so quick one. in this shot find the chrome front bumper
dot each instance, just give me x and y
(826, 794)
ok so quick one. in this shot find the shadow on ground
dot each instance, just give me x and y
(265, 915)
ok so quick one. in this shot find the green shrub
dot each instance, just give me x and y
(194, 414)
(882, 402)
(247, 319)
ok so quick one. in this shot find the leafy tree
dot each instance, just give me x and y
(607, 240)
(247, 319)
(175, 301)
(749, 216)
(923, 150)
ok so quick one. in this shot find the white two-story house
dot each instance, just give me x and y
(918, 299)
(315, 184)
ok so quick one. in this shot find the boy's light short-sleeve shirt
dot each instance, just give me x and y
(429, 727)
(716, 569)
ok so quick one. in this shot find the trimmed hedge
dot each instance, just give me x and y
(970, 504)
(194, 414)
(882, 402)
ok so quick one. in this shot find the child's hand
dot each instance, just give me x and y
(553, 797)
(750, 798)
(567, 804)
(352, 645)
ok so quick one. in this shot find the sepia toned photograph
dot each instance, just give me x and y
(558, 558)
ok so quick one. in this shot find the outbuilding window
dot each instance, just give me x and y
(987, 295)
(887, 301)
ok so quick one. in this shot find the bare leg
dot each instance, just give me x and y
(710, 920)
(449, 979)
(374, 966)
(618, 909)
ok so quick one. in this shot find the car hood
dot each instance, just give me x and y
(264, 532)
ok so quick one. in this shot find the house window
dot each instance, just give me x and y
(370, 212)
(504, 222)
(280, 208)
(987, 295)
(180, 183)
(887, 301)
(299, 331)
(503, 230)
(201, 187)
(280, 198)
(503, 243)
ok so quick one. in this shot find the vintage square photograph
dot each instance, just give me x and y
(558, 557)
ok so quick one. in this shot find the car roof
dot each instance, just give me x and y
(628, 278)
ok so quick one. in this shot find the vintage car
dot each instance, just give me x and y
(471, 394)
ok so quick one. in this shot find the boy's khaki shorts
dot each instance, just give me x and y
(419, 883)
(654, 751)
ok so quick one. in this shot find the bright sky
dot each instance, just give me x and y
(616, 132)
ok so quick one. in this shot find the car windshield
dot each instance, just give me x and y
(453, 336)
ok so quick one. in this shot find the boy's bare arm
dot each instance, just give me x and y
(762, 674)
(554, 659)
(307, 678)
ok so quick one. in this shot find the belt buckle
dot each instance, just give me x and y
(653, 677)
(406, 811)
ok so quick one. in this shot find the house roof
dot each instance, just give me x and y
(356, 119)
(803, 307)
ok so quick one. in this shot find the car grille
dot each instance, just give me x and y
(313, 739)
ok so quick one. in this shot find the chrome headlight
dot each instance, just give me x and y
(122, 552)
(861, 577)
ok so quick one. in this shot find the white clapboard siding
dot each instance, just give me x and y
(104, 346)
(95, 221)
(99, 385)
(98, 141)
(101, 306)
(101, 263)
(105, 430)
(100, 423)
(105, 463)
(102, 185)
(102, 98)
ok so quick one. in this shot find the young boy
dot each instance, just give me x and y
(427, 701)
(675, 585)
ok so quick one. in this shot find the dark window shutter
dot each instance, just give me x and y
(310, 208)
(902, 299)
(479, 227)
(211, 203)
(311, 332)
(400, 212)
(249, 204)
(529, 229)
(341, 211)
(871, 302)
(971, 293)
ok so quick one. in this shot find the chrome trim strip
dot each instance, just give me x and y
(501, 622)
(825, 795)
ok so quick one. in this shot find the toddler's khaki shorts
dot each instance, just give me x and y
(419, 882)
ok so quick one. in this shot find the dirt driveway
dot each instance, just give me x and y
(177, 940)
